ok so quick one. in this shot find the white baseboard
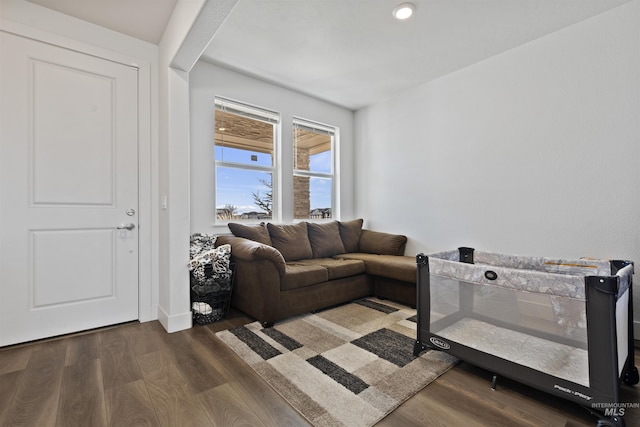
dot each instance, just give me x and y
(176, 322)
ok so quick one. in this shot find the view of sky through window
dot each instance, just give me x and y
(236, 186)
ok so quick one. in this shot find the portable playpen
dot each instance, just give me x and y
(562, 326)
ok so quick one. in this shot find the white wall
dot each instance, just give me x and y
(535, 151)
(206, 82)
(191, 27)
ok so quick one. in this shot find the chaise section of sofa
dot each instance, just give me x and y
(291, 269)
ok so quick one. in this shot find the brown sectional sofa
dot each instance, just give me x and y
(287, 270)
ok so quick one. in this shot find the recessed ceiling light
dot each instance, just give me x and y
(404, 11)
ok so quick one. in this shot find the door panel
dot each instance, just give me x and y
(56, 252)
(68, 169)
(82, 125)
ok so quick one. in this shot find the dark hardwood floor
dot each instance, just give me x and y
(138, 375)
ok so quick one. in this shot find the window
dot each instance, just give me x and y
(245, 146)
(313, 169)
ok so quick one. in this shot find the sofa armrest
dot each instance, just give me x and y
(376, 242)
(248, 250)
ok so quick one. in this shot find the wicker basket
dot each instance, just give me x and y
(216, 296)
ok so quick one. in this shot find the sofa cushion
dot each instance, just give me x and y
(337, 268)
(255, 232)
(325, 239)
(299, 275)
(376, 242)
(402, 268)
(350, 233)
(291, 240)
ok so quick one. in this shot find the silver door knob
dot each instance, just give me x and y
(129, 226)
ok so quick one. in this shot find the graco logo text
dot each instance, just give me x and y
(440, 343)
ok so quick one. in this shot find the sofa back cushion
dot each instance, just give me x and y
(325, 239)
(257, 232)
(376, 242)
(350, 233)
(291, 240)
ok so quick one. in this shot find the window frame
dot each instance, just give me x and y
(259, 114)
(334, 133)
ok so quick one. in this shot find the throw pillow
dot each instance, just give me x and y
(350, 233)
(325, 239)
(212, 268)
(291, 240)
(199, 243)
(256, 232)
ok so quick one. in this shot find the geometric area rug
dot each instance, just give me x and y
(350, 365)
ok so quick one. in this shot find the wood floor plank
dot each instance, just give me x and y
(194, 362)
(424, 411)
(490, 412)
(119, 365)
(147, 338)
(14, 359)
(218, 352)
(82, 348)
(226, 407)
(35, 402)
(130, 405)
(495, 405)
(8, 385)
(170, 394)
(82, 401)
(268, 404)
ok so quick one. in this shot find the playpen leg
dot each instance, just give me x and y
(494, 382)
(615, 421)
(418, 347)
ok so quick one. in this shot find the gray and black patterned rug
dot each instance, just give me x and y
(350, 365)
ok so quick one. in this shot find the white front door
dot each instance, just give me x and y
(68, 180)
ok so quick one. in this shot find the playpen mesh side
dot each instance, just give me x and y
(528, 317)
(575, 267)
(622, 315)
(560, 284)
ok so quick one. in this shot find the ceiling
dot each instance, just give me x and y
(142, 19)
(351, 52)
